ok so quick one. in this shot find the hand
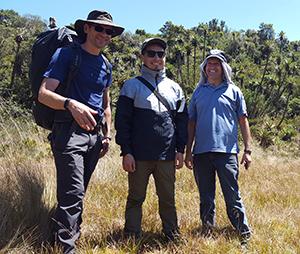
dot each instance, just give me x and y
(189, 160)
(83, 115)
(105, 146)
(246, 160)
(179, 160)
(128, 163)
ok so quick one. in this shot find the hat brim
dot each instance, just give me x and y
(152, 41)
(118, 30)
(222, 59)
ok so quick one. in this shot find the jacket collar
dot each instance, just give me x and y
(151, 75)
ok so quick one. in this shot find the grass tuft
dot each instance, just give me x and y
(270, 190)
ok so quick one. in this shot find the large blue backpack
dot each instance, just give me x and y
(42, 51)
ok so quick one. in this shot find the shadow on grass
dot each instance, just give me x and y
(228, 232)
(150, 241)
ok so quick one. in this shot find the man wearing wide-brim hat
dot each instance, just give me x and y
(98, 18)
(75, 140)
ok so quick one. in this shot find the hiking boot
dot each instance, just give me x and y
(136, 236)
(207, 230)
(245, 238)
(172, 236)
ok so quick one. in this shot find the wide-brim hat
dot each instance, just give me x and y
(101, 18)
(151, 41)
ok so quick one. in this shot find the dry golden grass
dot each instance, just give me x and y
(270, 189)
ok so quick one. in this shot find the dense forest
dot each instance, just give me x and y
(266, 67)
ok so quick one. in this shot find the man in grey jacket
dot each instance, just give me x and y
(152, 137)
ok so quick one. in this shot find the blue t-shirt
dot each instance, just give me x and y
(90, 81)
(216, 111)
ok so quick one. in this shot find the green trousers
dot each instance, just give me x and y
(164, 177)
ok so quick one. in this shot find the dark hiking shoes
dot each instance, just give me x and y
(244, 239)
(172, 236)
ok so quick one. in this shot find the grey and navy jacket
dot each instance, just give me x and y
(145, 128)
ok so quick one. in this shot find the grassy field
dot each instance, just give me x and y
(270, 189)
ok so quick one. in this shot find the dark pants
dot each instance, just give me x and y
(206, 166)
(76, 153)
(164, 178)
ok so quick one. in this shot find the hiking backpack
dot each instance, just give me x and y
(42, 51)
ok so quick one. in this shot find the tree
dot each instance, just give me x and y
(266, 68)
(194, 44)
(140, 32)
(188, 54)
(266, 32)
(282, 41)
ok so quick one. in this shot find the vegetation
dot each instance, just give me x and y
(270, 191)
(266, 68)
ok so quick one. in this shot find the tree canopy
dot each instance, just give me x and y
(266, 66)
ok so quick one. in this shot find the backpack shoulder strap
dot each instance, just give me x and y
(107, 68)
(162, 99)
(73, 70)
(107, 64)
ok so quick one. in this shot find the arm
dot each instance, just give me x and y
(245, 130)
(191, 136)
(107, 115)
(47, 95)
(178, 160)
(82, 114)
(107, 110)
(123, 123)
(181, 120)
(128, 163)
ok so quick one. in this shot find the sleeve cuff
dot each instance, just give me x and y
(125, 149)
(180, 149)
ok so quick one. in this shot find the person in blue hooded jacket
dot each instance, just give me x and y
(152, 138)
(216, 109)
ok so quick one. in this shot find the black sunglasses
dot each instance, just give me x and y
(152, 53)
(101, 29)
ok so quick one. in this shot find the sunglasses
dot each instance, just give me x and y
(152, 53)
(101, 29)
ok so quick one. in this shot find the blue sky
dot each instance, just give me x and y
(151, 15)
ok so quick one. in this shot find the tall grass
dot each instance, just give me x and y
(270, 189)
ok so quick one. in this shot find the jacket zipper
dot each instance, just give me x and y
(156, 82)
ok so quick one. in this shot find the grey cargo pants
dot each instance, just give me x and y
(76, 153)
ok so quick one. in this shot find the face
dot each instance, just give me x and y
(98, 36)
(214, 70)
(154, 57)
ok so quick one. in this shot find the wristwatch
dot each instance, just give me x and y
(248, 151)
(66, 103)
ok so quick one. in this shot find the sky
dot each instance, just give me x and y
(152, 15)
